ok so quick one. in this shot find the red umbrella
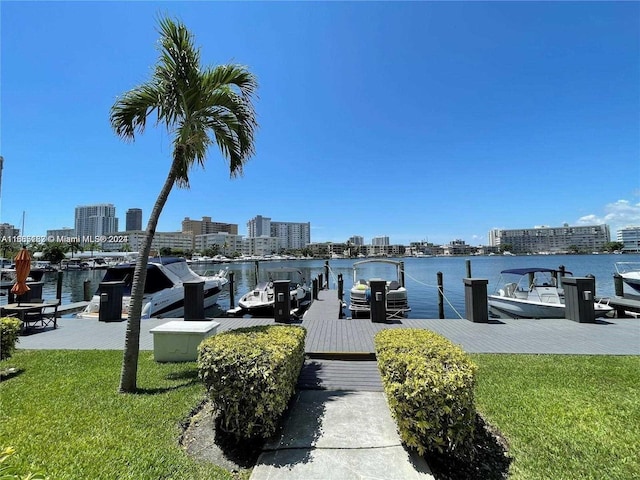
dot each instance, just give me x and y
(23, 268)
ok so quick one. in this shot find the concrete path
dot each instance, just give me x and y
(339, 434)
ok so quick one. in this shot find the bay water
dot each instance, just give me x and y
(420, 277)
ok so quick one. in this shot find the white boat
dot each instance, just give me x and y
(396, 293)
(74, 264)
(537, 293)
(261, 299)
(164, 290)
(630, 273)
(8, 276)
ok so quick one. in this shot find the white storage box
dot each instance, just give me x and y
(178, 340)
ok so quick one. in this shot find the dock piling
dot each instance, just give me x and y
(378, 301)
(440, 295)
(232, 299)
(282, 301)
(475, 300)
(194, 300)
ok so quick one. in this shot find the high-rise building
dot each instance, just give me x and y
(290, 235)
(259, 226)
(134, 219)
(356, 240)
(94, 221)
(380, 241)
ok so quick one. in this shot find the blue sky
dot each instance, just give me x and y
(415, 120)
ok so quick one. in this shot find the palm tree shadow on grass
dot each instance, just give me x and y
(190, 377)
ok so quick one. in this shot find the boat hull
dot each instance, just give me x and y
(168, 305)
(262, 302)
(632, 281)
(518, 308)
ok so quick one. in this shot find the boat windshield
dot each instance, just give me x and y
(156, 280)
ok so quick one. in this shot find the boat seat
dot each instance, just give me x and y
(509, 289)
(394, 285)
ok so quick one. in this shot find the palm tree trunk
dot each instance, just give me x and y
(129, 375)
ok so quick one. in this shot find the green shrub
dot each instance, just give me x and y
(251, 374)
(9, 329)
(429, 384)
(9, 470)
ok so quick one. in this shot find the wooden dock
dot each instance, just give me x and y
(330, 337)
(70, 308)
(623, 304)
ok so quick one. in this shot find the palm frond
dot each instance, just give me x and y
(129, 114)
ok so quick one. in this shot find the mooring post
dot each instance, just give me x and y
(440, 295)
(326, 272)
(475, 300)
(232, 299)
(59, 285)
(256, 271)
(562, 270)
(468, 265)
(314, 288)
(378, 300)
(282, 301)
(86, 290)
(194, 300)
(320, 281)
(402, 274)
(618, 284)
(110, 301)
(340, 295)
(590, 275)
(578, 294)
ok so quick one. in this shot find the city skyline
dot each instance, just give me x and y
(256, 225)
(414, 120)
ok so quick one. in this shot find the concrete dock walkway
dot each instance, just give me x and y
(339, 434)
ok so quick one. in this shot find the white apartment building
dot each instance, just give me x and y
(260, 246)
(228, 244)
(630, 238)
(291, 235)
(93, 221)
(586, 238)
(134, 238)
(380, 241)
(356, 241)
(259, 226)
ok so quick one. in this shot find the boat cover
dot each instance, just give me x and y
(525, 271)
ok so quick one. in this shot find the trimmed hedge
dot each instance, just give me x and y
(429, 384)
(251, 374)
(9, 330)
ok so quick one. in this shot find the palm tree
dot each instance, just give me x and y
(198, 106)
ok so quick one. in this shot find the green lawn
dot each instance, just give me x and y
(63, 415)
(565, 416)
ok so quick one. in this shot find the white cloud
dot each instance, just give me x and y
(617, 215)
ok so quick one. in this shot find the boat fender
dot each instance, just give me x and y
(367, 295)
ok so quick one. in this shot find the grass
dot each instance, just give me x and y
(63, 415)
(564, 416)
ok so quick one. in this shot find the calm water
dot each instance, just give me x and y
(420, 277)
